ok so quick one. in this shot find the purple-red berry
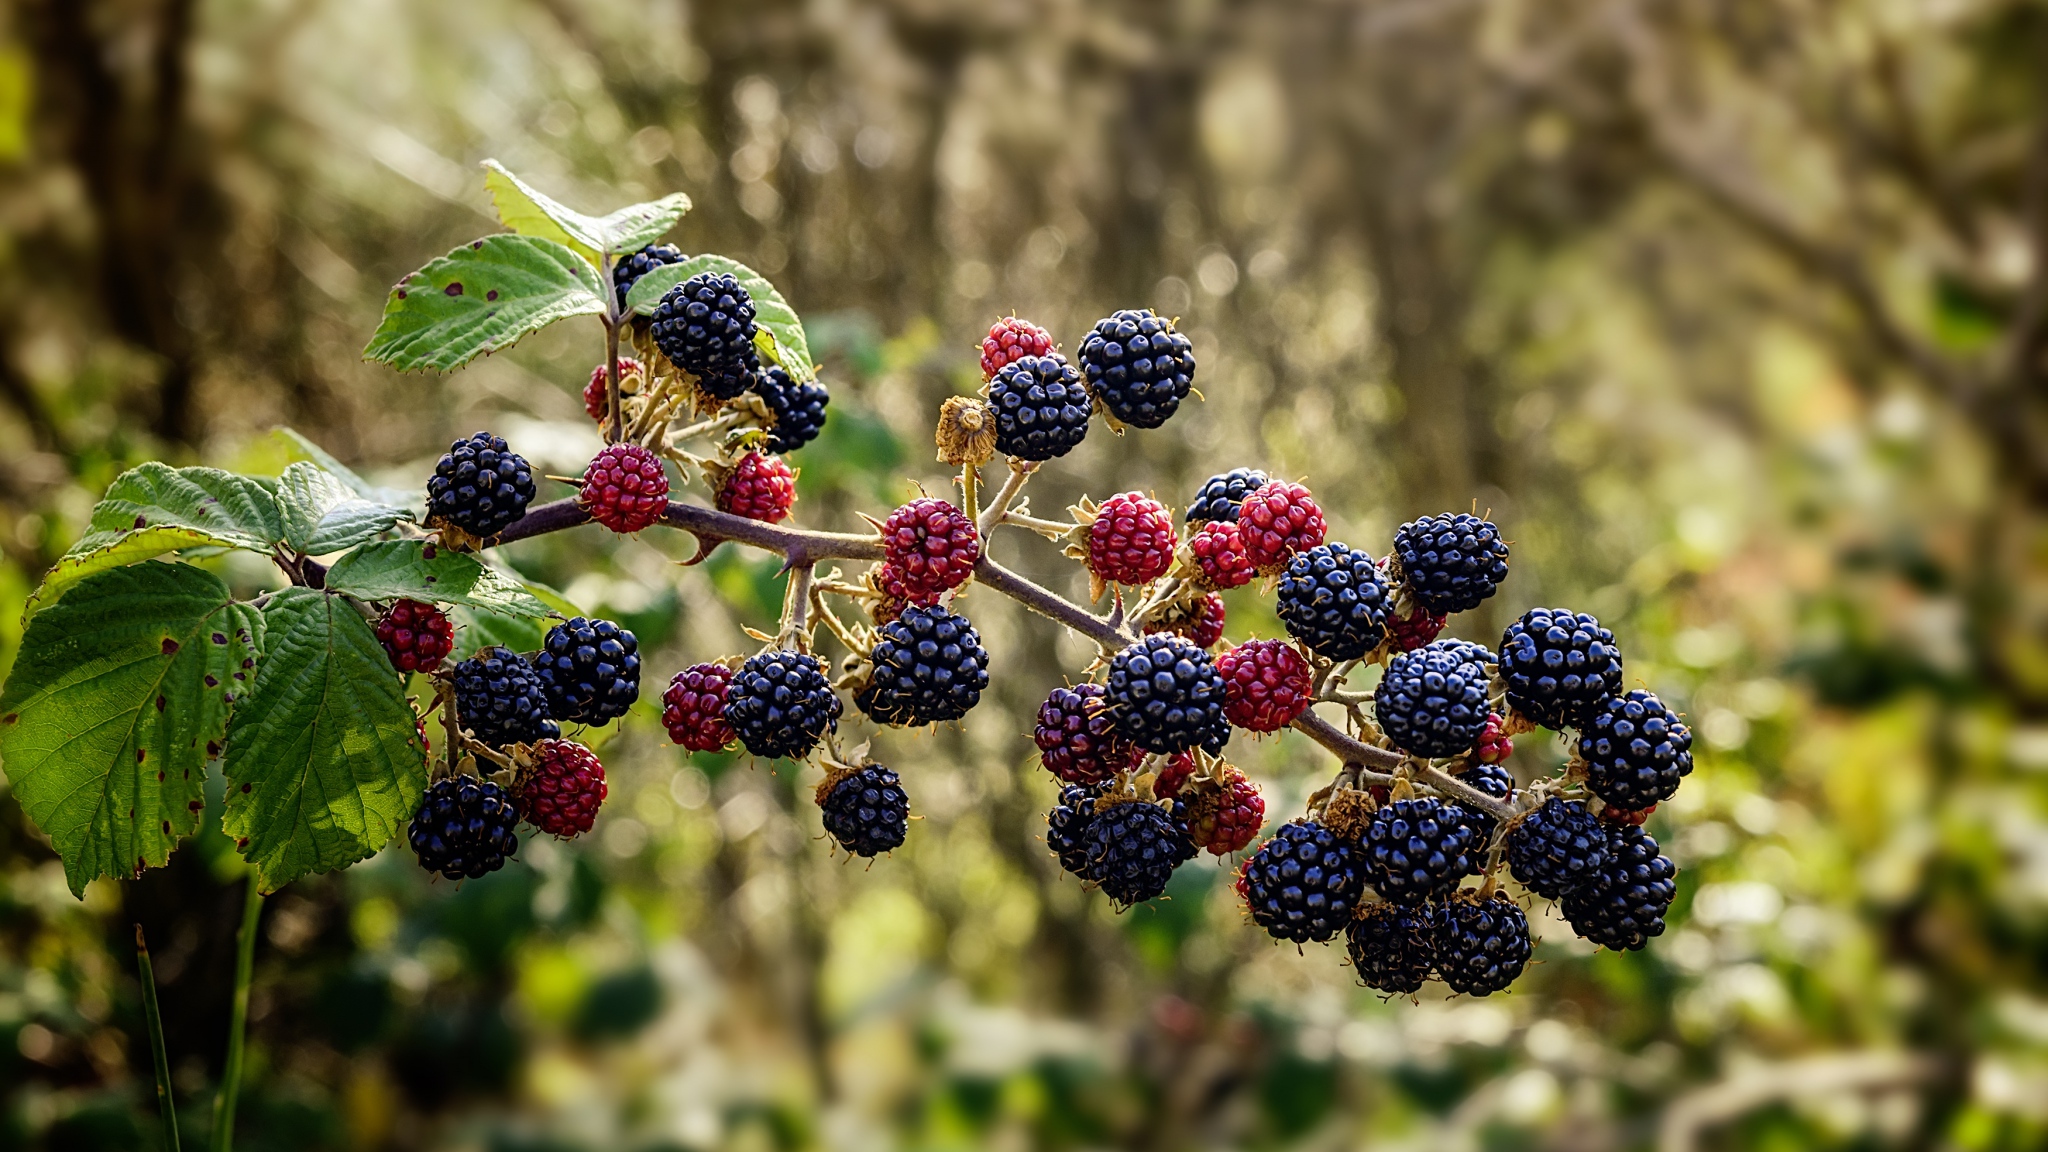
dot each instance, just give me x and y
(625, 488)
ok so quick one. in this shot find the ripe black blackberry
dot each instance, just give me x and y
(1167, 696)
(480, 486)
(866, 810)
(591, 670)
(1138, 366)
(1432, 701)
(1496, 782)
(1557, 848)
(1392, 947)
(1481, 942)
(502, 700)
(464, 828)
(1623, 905)
(1557, 665)
(631, 268)
(929, 667)
(799, 409)
(1333, 600)
(1416, 849)
(1303, 883)
(1041, 407)
(1636, 750)
(705, 326)
(780, 704)
(1067, 825)
(1133, 848)
(1452, 562)
(1222, 495)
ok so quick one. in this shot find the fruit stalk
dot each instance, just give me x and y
(166, 1110)
(238, 1020)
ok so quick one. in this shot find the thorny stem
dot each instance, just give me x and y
(1020, 472)
(1053, 529)
(796, 606)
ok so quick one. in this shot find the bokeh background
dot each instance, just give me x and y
(1731, 312)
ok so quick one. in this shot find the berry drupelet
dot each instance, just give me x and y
(1167, 696)
(416, 636)
(1041, 408)
(1077, 738)
(780, 704)
(929, 667)
(465, 828)
(1333, 600)
(480, 486)
(1432, 701)
(1557, 665)
(1139, 367)
(866, 810)
(1452, 562)
(1635, 749)
(1303, 883)
(693, 708)
(590, 669)
(501, 699)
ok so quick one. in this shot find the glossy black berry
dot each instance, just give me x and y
(1167, 696)
(631, 268)
(1432, 701)
(1133, 848)
(1636, 750)
(1303, 883)
(502, 700)
(705, 326)
(1333, 600)
(1482, 942)
(1557, 665)
(929, 667)
(464, 828)
(780, 704)
(1452, 562)
(1067, 825)
(591, 670)
(480, 486)
(1041, 407)
(1496, 782)
(867, 811)
(1222, 495)
(798, 409)
(1392, 947)
(1138, 365)
(1623, 905)
(1417, 849)
(1557, 848)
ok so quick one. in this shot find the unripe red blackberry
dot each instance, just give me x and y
(1417, 849)
(693, 708)
(1229, 820)
(1333, 601)
(1481, 942)
(758, 487)
(1277, 520)
(1303, 883)
(1623, 905)
(1392, 947)
(1451, 562)
(1218, 553)
(866, 810)
(1266, 685)
(1077, 738)
(1635, 816)
(932, 544)
(1494, 746)
(1635, 749)
(1557, 848)
(416, 636)
(1414, 630)
(1178, 769)
(1432, 702)
(1167, 696)
(1199, 620)
(560, 791)
(780, 704)
(892, 595)
(1558, 665)
(595, 392)
(1223, 494)
(1132, 540)
(1138, 366)
(1009, 340)
(625, 488)
(929, 667)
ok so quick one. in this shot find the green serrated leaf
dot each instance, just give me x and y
(324, 764)
(772, 314)
(483, 627)
(394, 569)
(530, 212)
(118, 700)
(302, 448)
(153, 509)
(322, 514)
(482, 297)
(637, 225)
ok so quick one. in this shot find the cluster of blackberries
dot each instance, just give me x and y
(1127, 846)
(1132, 364)
(587, 672)
(466, 827)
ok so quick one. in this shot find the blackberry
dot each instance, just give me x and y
(591, 670)
(1077, 738)
(1133, 848)
(1432, 701)
(1167, 696)
(1303, 883)
(780, 705)
(1131, 541)
(1227, 821)
(1623, 905)
(597, 390)
(502, 700)
(1217, 550)
(1413, 630)
(1200, 620)
(1392, 947)
(1333, 600)
(1138, 365)
(1221, 496)
(631, 268)
(1452, 562)
(758, 487)
(1416, 849)
(480, 486)
(1067, 826)
(560, 791)
(929, 667)
(1494, 745)
(1041, 407)
(1167, 783)
(1496, 782)
(1266, 684)
(1636, 750)
(1009, 340)
(415, 635)
(693, 708)
(464, 828)
(1481, 943)
(1557, 665)
(932, 545)
(866, 810)
(1557, 848)
(798, 410)
(1277, 520)
(625, 488)
(705, 326)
